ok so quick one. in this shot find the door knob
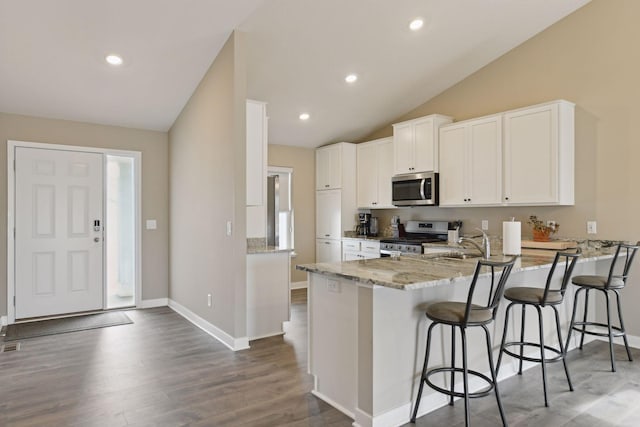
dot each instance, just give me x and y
(96, 239)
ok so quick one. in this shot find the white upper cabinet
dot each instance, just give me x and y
(539, 155)
(375, 169)
(416, 144)
(329, 167)
(471, 162)
(256, 122)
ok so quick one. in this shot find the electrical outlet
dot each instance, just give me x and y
(333, 286)
(209, 300)
(485, 224)
(591, 227)
(229, 228)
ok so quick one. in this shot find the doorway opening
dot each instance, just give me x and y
(280, 230)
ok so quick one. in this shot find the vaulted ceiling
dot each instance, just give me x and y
(52, 57)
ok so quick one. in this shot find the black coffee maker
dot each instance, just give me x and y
(364, 226)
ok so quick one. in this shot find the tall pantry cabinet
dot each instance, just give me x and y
(335, 198)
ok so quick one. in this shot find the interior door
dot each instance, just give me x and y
(59, 239)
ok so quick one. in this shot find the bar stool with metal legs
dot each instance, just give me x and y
(463, 315)
(551, 295)
(614, 282)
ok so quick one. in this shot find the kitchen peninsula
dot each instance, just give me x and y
(367, 328)
(268, 297)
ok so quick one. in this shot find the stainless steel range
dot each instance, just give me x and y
(417, 233)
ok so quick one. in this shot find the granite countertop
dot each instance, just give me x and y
(356, 236)
(420, 271)
(259, 246)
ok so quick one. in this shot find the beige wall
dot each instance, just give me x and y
(590, 58)
(207, 187)
(302, 160)
(155, 198)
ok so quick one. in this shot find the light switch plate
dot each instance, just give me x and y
(229, 228)
(152, 224)
(485, 224)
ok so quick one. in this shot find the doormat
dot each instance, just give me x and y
(19, 331)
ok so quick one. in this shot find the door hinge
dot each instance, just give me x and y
(14, 300)
(14, 164)
(14, 233)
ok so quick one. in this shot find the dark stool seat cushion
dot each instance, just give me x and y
(597, 282)
(453, 312)
(531, 295)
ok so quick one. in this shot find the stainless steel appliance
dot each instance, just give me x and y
(364, 224)
(417, 233)
(373, 226)
(415, 189)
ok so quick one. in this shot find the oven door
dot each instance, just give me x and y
(415, 189)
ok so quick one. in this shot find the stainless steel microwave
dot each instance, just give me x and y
(415, 189)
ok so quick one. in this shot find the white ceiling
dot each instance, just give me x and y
(52, 57)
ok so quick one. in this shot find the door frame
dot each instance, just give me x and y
(137, 162)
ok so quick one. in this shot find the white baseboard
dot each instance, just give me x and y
(269, 335)
(3, 320)
(395, 417)
(151, 303)
(633, 340)
(433, 401)
(333, 403)
(298, 285)
(234, 344)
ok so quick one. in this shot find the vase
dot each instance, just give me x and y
(541, 235)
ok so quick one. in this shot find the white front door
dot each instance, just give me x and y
(59, 239)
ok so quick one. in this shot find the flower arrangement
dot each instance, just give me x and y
(541, 231)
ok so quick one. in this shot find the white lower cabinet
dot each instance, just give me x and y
(358, 249)
(328, 250)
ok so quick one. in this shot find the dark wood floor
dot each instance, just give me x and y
(163, 371)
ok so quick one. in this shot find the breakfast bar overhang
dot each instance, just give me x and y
(367, 328)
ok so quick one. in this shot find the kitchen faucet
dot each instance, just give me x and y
(485, 249)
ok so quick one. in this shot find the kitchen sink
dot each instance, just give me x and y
(462, 256)
(451, 256)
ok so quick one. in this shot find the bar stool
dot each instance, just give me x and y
(606, 284)
(549, 296)
(463, 315)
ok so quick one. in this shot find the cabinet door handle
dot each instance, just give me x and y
(327, 235)
(506, 198)
(327, 243)
(326, 186)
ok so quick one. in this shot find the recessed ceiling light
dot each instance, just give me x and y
(304, 116)
(351, 78)
(113, 59)
(416, 24)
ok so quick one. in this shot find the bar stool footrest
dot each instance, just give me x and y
(557, 358)
(616, 331)
(448, 392)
